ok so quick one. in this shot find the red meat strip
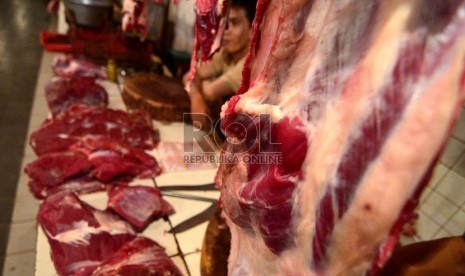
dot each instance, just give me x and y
(141, 256)
(58, 134)
(81, 185)
(80, 236)
(210, 24)
(138, 205)
(63, 92)
(357, 98)
(135, 17)
(54, 168)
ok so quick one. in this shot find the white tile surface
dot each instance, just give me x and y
(22, 238)
(456, 225)
(442, 233)
(425, 194)
(407, 240)
(25, 209)
(439, 172)
(459, 167)
(193, 261)
(20, 265)
(180, 264)
(22, 188)
(29, 152)
(438, 208)
(35, 122)
(426, 228)
(43, 262)
(452, 152)
(158, 231)
(452, 187)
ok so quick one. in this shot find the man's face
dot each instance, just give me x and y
(236, 37)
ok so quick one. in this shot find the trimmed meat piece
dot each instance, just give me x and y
(80, 236)
(58, 134)
(141, 256)
(90, 165)
(69, 66)
(138, 205)
(63, 92)
(111, 159)
(54, 168)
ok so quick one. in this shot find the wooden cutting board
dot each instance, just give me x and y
(163, 97)
(215, 247)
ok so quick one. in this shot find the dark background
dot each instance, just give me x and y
(20, 56)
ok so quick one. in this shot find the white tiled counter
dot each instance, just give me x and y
(184, 248)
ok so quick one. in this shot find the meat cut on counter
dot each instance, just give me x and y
(80, 236)
(138, 205)
(141, 256)
(357, 98)
(88, 241)
(91, 164)
(61, 93)
(67, 66)
(111, 158)
(58, 134)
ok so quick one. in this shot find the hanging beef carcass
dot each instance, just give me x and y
(357, 99)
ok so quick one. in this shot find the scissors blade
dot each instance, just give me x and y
(195, 220)
(204, 187)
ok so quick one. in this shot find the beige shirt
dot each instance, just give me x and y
(225, 69)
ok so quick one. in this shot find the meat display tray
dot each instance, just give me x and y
(184, 247)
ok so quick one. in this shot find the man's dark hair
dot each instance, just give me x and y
(248, 5)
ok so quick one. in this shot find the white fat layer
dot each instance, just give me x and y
(245, 106)
(78, 265)
(81, 232)
(417, 139)
(102, 153)
(330, 142)
(390, 180)
(146, 257)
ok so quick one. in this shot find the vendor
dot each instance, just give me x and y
(218, 80)
(444, 256)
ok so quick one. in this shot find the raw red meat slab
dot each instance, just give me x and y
(53, 169)
(58, 134)
(63, 92)
(112, 159)
(138, 205)
(81, 185)
(70, 66)
(141, 256)
(92, 164)
(80, 236)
